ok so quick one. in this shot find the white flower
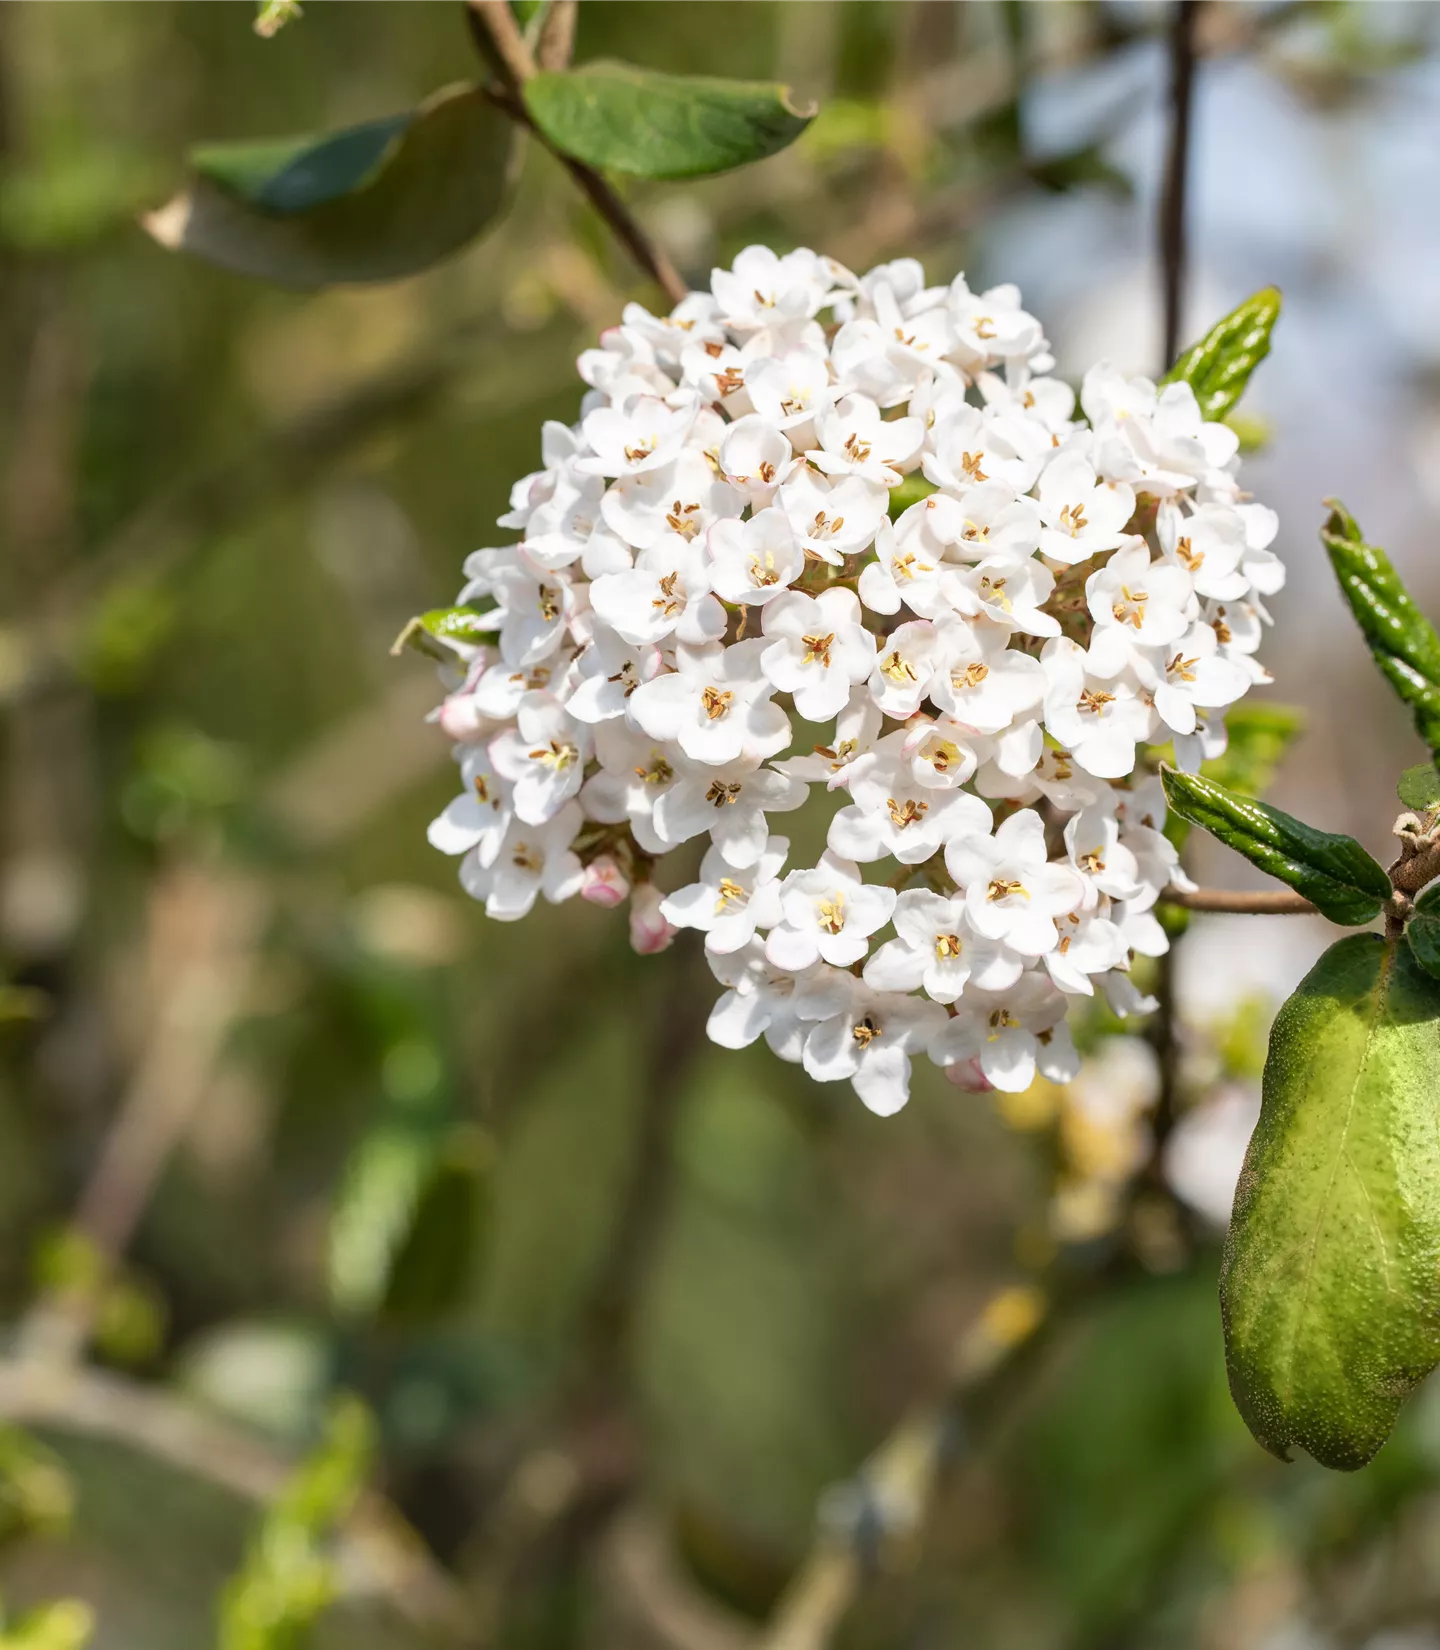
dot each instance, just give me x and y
(729, 802)
(763, 999)
(870, 1041)
(1191, 672)
(904, 667)
(857, 727)
(716, 705)
(829, 916)
(904, 572)
(1209, 545)
(856, 441)
(892, 814)
(1083, 516)
(941, 754)
(1148, 603)
(607, 673)
(981, 680)
(643, 435)
(635, 772)
(789, 391)
(763, 290)
(533, 859)
(818, 650)
(1090, 943)
(1010, 1033)
(1005, 592)
(534, 604)
(1012, 891)
(650, 932)
(1107, 867)
(728, 904)
(938, 951)
(833, 520)
(756, 457)
(666, 593)
(543, 757)
(1098, 719)
(754, 561)
(991, 325)
(973, 445)
(476, 819)
(684, 497)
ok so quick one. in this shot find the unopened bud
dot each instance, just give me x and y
(967, 1075)
(649, 931)
(605, 883)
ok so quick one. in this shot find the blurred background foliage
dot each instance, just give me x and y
(383, 1278)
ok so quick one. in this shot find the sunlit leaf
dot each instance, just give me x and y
(1330, 1287)
(1333, 872)
(620, 118)
(1402, 640)
(444, 631)
(1218, 367)
(375, 202)
(1419, 787)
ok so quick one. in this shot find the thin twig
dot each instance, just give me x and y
(1184, 19)
(557, 34)
(517, 63)
(1268, 902)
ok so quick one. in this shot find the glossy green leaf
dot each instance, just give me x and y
(1419, 787)
(1333, 872)
(1218, 367)
(1330, 1284)
(623, 119)
(372, 203)
(445, 631)
(1402, 640)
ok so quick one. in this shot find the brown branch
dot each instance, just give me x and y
(509, 52)
(1267, 902)
(557, 34)
(1184, 21)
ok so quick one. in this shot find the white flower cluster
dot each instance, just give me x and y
(709, 558)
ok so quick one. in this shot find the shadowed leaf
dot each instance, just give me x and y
(375, 202)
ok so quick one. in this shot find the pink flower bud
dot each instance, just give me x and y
(649, 931)
(604, 883)
(967, 1075)
(460, 719)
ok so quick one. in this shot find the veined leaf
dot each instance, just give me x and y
(1330, 1284)
(1333, 872)
(1402, 640)
(1422, 933)
(1218, 367)
(372, 203)
(1419, 787)
(623, 119)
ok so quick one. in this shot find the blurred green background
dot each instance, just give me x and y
(282, 1116)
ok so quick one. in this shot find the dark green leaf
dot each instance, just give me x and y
(444, 631)
(1330, 1285)
(1419, 787)
(1402, 640)
(1430, 899)
(1423, 933)
(623, 119)
(1333, 872)
(1218, 368)
(372, 203)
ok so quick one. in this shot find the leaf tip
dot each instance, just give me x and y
(801, 108)
(168, 224)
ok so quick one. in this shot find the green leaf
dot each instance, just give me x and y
(1330, 1284)
(372, 203)
(1333, 872)
(1402, 640)
(1218, 368)
(433, 1266)
(623, 119)
(1419, 787)
(1423, 934)
(445, 631)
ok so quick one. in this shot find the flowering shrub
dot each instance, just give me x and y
(816, 533)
